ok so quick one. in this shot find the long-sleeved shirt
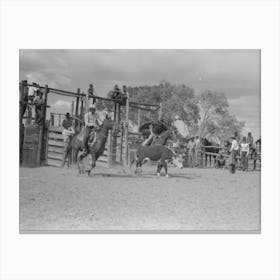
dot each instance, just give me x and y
(91, 119)
(245, 147)
(234, 146)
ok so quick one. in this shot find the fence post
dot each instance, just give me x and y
(109, 149)
(42, 133)
(202, 157)
(82, 108)
(114, 137)
(77, 108)
(72, 108)
(126, 151)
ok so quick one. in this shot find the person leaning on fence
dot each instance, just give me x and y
(244, 154)
(234, 150)
(67, 132)
(250, 141)
(221, 161)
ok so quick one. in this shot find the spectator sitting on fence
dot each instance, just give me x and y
(116, 93)
(221, 162)
(67, 132)
(39, 101)
(244, 154)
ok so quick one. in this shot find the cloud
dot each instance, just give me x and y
(62, 104)
(233, 72)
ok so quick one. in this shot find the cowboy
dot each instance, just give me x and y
(234, 150)
(244, 153)
(67, 132)
(92, 121)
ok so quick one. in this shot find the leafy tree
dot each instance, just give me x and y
(213, 106)
(216, 119)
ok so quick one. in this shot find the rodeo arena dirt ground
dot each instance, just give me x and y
(117, 199)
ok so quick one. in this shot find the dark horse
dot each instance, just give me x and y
(209, 149)
(79, 141)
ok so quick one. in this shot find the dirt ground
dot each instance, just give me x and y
(115, 199)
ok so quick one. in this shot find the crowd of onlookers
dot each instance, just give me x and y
(242, 149)
(239, 150)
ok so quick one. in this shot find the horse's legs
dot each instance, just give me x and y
(159, 167)
(75, 154)
(65, 156)
(93, 163)
(164, 164)
(80, 158)
(138, 164)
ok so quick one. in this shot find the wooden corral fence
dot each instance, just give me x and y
(201, 154)
(46, 143)
(55, 149)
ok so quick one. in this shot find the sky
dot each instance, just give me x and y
(236, 73)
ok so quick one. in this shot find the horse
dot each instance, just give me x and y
(214, 150)
(96, 149)
(158, 153)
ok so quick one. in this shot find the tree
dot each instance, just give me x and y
(213, 106)
(216, 120)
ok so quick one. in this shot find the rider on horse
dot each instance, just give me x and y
(92, 122)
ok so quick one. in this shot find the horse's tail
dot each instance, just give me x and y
(134, 159)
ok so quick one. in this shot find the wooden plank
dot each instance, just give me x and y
(54, 162)
(57, 156)
(53, 135)
(58, 150)
(130, 133)
(210, 154)
(55, 143)
(55, 129)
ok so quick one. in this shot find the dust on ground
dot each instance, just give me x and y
(116, 199)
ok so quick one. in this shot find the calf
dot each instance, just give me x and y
(161, 154)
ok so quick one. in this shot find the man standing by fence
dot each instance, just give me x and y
(67, 133)
(244, 154)
(234, 150)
